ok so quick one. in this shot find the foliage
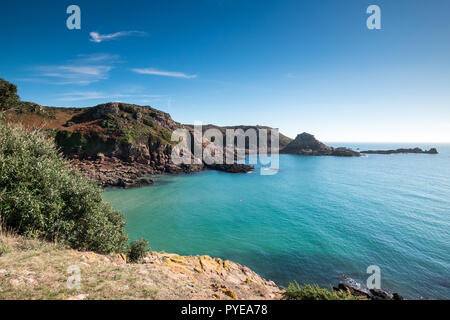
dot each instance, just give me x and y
(42, 197)
(313, 292)
(8, 95)
(137, 250)
(109, 124)
(70, 142)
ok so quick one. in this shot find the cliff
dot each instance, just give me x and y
(114, 143)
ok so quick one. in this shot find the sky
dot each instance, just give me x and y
(295, 65)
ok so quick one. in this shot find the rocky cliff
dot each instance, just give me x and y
(119, 144)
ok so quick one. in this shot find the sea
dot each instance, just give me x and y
(315, 220)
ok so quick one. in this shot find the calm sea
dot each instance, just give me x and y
(316, 219)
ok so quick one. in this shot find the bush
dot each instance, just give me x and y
(42, 197)
(8, 95)
(137, 250)
(313, 292)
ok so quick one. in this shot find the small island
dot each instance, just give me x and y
(402, 150)
(306, 144)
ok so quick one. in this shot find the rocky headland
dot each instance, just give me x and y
(116, 144)
(306, 144)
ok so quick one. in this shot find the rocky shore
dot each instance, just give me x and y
(369, 294)
(114, 172)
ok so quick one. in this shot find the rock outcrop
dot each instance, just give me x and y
(401, 150)
(306, 144)
(372, 294)
(231, 168)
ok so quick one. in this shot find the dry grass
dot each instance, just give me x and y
(33, 269)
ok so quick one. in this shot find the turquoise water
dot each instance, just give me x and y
(318, 218)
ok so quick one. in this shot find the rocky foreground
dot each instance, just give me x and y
(31, 269)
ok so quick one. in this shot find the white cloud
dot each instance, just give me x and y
(98, 57)
(75, 74)
(156, 72)
(88, 95)
(97, 95)
(83, 70)
(97, 37)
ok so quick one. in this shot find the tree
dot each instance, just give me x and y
(8, 95)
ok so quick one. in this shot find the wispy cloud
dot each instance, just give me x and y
(75, 74)
(98, 95)
(98, 57)
(97, 37)
(156, 72)
(83, 70)
(291, 76)
(88, 95)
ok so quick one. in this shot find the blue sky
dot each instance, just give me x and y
(297, 65)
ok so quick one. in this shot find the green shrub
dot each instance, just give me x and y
(8, 95)
(42, 197)
(167, 135)
(137, 250)
(313, 292)
(110, 124)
